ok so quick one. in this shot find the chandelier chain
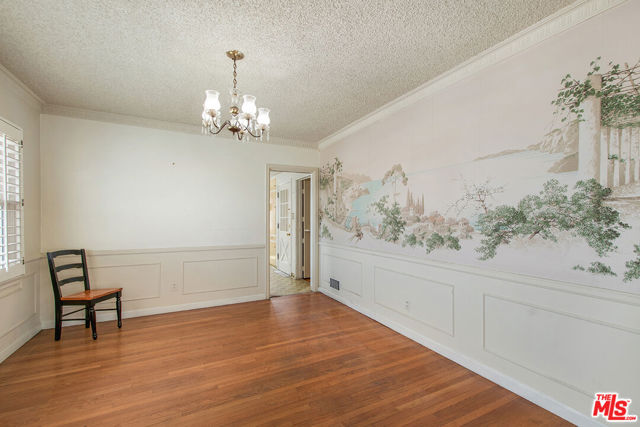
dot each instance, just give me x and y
(235, 74)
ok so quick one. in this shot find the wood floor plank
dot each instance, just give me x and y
(301, 359)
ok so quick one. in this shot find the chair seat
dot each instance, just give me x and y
(91, 294)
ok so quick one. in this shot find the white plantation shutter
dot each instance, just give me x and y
(11, 201)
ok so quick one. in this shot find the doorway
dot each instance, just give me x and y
(291, 222)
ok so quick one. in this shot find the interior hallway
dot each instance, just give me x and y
(282, 285)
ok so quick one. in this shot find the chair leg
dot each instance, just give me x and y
(92, 315)
(87, 321)
(58, 322)
(119, 310)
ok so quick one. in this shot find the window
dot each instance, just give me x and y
(11, 202)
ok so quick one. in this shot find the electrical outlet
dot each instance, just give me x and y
(406, 305)
(174, 287)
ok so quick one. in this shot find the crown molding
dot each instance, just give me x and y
(124, 119)
(563, 20)
(22, 89)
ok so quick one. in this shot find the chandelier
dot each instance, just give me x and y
(243, 122)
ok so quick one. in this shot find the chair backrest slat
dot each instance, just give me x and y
(68, 266)
(54, 269)
(70, 280)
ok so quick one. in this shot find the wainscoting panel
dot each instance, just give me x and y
(347, 271)
(219, 275)
(141, 281)
(553, 343)
(164, 280)
(18, 309)
(578, 352)
(424, 300)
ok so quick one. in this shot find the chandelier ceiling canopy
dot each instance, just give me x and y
(242, 122)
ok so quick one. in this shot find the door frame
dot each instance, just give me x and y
(300, 233)
(314, 221)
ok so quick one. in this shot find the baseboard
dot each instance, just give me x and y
(110, 316)
(24, 332)
(523, 390)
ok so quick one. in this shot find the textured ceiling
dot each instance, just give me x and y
(319, 65)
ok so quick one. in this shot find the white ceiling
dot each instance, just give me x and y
(319, 65)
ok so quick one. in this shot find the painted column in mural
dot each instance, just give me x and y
(606, 178)
(622, 158)
(589, 134)
(615, 154)
(635, 153)
(629, 163)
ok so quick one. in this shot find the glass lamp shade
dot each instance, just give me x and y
(249, 105)
(263, 118)
(211, 102)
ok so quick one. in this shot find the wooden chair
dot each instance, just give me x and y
(88, 298)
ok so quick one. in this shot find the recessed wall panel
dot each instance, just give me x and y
(581, 353)
(219, 274)
(139, 281)
(421, 299)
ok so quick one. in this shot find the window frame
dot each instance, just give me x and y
(15, 133)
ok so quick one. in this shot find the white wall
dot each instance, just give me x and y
(112, 186)
(18, 298)
(176, 219)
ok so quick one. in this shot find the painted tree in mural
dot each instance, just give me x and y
(437, 240)
(415, 205)
(583, 213)
(329, 175)
(633, 266)
(392, 225)
(478, 195)
(620, 95)
(395, 175)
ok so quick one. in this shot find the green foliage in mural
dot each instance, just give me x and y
(633, 266)
(392, 225)
(437, 240)
(412, 240)
(330, 208)
(544, 215)
(620, 98)
(325, 233)
(597, 267)
(329, 171)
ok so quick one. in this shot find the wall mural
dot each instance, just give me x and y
(566, 207)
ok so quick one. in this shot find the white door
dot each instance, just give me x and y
(284, 228)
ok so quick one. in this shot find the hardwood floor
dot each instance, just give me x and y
(300, 359)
